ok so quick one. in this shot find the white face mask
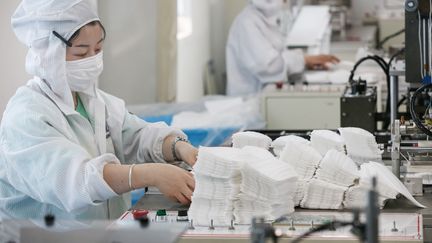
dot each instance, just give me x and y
(83, 74)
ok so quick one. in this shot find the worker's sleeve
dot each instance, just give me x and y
(142, 141)
(46, 165)
(264, 60)
(294, 60)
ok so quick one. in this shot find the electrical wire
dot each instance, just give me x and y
(414, 116)
(381, 43)
(398, 53)
(386, 69)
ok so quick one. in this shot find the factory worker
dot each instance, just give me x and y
(256, 53)
(69, 149)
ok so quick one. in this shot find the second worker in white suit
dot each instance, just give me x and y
(256, 52)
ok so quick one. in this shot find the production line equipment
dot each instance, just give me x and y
(410, 145)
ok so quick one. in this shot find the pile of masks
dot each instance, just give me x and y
(243, 139)
(333, 172)
(239, 184)
(360, 145)
(216, 185)
(267, 187)
(388, 187)
(327, 172)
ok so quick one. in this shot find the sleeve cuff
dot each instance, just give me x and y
(98, 189)
(157, 147)
(294, 60)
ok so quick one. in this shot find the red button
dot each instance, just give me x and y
(137, 214)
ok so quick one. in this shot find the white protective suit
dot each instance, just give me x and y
(256, 52)
(52, 158)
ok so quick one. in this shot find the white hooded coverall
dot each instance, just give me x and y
(256, 53)
(51, 157)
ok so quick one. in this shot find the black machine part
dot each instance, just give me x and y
(359, 110)
(414, 8)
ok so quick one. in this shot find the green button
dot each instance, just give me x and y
(161, 212)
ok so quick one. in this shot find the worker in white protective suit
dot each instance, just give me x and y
(256, 53)
(67, 148)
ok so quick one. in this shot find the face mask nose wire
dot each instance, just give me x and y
(62, 39)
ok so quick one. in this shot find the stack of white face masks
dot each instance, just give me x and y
(361, 145)
(388, 186)
(335, 174)
(320, 194)
(305, 160)
(220, 162)
(325, 140)
(238, 184)
(356, 197)
(216, 178)
(267, 189)
(243, 139)
(337, 168)
(279, 144)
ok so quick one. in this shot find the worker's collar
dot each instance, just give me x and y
(65, 109)
(271, 19)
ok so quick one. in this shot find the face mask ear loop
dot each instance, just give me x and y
(62, 39)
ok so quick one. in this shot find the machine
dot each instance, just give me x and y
(410, 146)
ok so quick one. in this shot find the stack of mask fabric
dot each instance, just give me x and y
(216, 178)
(219, 162)
(324, 140)
(303, 158)
(212, 188)
(388, 186)
(203, 210)
(339, 169)
(335, 174)
(356, 197)
(267, 190)
(299, 194)
(257, 154)
(243, 139)
(279, 144)
(361, 145)
(320, 194)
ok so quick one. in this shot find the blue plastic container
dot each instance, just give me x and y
(210, 137)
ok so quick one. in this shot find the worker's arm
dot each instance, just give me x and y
(172, 181)
(184, 151)
(319, 62)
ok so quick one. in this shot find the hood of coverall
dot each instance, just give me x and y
(34, 22)
(269, 8)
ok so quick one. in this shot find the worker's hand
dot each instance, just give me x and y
(187, 152)
(174, 182)
(320, 62)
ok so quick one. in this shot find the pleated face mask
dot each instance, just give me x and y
(82, 75)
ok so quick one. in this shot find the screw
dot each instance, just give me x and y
(292, 228)
(232, 225)
(191, 227)
(394, 227)
(211, 225)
